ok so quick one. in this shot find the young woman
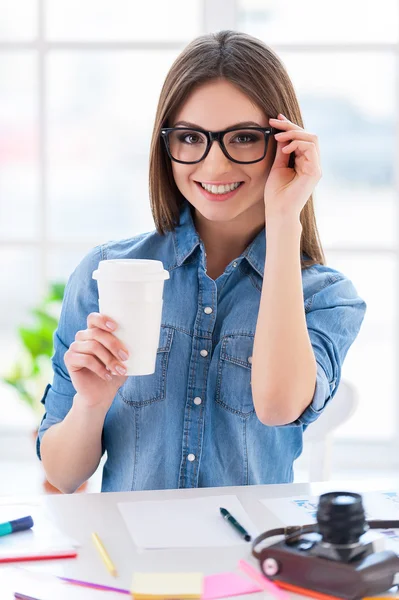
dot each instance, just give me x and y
(254, 328)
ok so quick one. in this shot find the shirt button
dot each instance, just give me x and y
(235, 263)
(207, 310)
(250, 360)
(197, 400)
(191, 457)
(204, 353)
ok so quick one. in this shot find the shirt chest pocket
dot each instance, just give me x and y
(233, 386)
(142, 390)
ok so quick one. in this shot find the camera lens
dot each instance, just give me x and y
(341, 518)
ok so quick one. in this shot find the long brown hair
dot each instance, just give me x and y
(257, 71)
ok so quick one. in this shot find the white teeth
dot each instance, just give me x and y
(220, 189)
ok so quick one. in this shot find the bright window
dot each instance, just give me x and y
(79, 84)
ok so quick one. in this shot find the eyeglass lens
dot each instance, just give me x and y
(245, 145)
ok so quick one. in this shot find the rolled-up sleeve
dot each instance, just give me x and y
(334, 314)
(80, 299)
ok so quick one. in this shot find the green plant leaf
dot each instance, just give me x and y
(45, 319)
(22, 391)
(37, 341)
(56, 293)
(32, 369)
(35, 368)
(19, 371)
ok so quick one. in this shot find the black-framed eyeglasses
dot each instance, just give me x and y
(243, 145)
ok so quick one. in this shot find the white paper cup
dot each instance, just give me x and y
(131, 293)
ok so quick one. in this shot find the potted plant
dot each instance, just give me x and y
(33, 370)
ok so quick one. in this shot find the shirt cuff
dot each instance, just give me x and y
(62, 403)
(322, 394)
(46, 423)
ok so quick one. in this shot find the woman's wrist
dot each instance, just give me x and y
(283, 227)
(278, 220)
(87, 409)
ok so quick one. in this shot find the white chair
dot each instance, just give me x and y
(318, 435)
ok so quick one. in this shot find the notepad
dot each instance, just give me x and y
(154, 586)
(185, 523)
(225, 585)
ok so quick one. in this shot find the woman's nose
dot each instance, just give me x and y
(216, 157)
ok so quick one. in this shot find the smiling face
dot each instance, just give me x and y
(216, 106)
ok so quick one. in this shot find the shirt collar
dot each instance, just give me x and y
(255, 253)
(186, 240)
(185, 236)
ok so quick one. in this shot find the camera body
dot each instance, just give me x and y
(337, 556)
(300, 564)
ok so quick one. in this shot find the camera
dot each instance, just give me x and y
(335, 556)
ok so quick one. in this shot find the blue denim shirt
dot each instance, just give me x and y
(192, 423)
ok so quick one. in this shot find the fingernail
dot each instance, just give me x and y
(121, 370)
(278, 134)
(108, 376)
(122, 355)
(282, 116)
(110, 325)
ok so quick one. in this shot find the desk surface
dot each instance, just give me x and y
(80, 514)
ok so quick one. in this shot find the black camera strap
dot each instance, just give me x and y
(293, 532)
(383, 524)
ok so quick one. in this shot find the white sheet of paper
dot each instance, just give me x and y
(295, 510)
(43, 537)
(191, 523)
(46, 587)
(382, 505)
(301, 510)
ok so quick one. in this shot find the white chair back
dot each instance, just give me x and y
(318, 435)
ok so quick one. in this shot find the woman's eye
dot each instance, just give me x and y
(190, 138)
(244, 139)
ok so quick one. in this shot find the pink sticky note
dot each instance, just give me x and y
(222, 585)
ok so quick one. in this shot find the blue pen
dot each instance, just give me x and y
(239, 528)
(17, 525)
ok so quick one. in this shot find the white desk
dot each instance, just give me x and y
(80, 514)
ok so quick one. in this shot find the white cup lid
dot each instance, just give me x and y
(130, 269)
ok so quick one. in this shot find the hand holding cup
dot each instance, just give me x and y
(130, 302)
(95, 361)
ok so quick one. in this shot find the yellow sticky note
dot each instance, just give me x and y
(149, 586)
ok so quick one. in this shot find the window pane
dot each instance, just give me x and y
(18, 20)
(100, 123)
(348, 100)
(18, 146)
(19, 268)
(371, 363)
(312, 21)
(61, 262)
(21, 292)
(157, 20)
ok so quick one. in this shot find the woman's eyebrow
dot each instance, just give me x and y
(194, 126)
